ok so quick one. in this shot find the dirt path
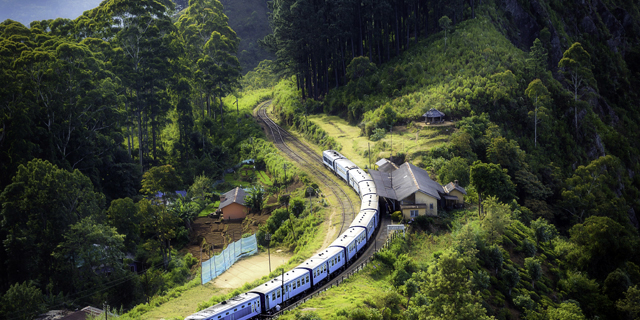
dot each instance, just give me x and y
(250, 269)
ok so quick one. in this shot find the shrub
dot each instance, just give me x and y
(523, 302)
(396, 216)
(378, 134)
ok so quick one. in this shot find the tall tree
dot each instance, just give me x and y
(445, 24)
(540, 97)
(576, 67)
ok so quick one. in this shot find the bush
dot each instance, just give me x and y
(396, 216)
(523, 302)
(378, 134)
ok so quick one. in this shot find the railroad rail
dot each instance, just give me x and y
(281, 138)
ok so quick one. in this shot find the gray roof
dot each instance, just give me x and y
(385, 165)
(383, 184)
(451, 186)
(236, 195)
(408, 179)
(405, 181)
(433, 113)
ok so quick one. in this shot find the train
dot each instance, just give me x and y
(279, 292)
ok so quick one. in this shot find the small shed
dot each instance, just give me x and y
(232, 205)
(434, 115)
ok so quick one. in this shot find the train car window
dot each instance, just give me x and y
(274, 296)
(307, 278)
(294, 285)
(278, 293)
(299, 281)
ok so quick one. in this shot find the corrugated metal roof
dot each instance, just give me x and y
(433, 113)
(236, 195)
(451, 186)
(405, 181)
(383, 184)
(408, 179)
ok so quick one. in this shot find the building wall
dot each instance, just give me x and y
(422, 198)
(235, 211)
(458, 194)
(430, 201)
(406, 213)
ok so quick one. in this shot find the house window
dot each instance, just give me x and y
(431, 206)
(414, 213)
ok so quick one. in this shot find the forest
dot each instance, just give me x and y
(100, 113)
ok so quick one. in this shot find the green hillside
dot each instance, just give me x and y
(561, 242)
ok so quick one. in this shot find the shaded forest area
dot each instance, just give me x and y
(98, 115)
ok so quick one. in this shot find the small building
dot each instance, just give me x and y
(413, 191)
(454, 190)
(435, 116)
(232, 204)
(409, 189)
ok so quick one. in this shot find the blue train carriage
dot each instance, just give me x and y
(270, 294)
(357, 176)
(317, 266)
(329, 157)
(366, 219)
(351, 241)
(296, 282)
(240, 307)
(342, 168)
(369, 202)
(367, 187)
(335, 260)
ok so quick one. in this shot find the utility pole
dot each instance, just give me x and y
(369, 153)
(267, 237)
(391, 134)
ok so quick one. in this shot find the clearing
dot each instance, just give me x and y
(413, 139)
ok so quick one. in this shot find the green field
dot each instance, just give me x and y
(402, 140)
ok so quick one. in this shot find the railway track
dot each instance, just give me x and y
(281, 139)
(308, 159)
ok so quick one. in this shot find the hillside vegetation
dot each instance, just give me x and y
(550, 164)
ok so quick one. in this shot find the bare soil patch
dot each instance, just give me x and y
(218, 234)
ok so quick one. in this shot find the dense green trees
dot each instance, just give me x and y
(317, 40)
(39, 207)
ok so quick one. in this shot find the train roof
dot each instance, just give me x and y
(268, 286)
(360, 175)
(363, 218)
(346, 237)
(346, 163)
(332, 154)
(319, 258)
(223, 306)
(369, 202)
(293, 274)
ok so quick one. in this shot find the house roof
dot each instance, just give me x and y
(405, 181)
(236, 195)
(385, 165)
(382, 181)
(409, 179)
(433, 113)
(182, 193)
(452, 186)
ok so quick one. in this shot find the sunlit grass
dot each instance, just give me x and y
(412, 140)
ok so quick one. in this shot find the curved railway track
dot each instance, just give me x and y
(282, 138)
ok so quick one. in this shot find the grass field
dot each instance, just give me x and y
(413, 140)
